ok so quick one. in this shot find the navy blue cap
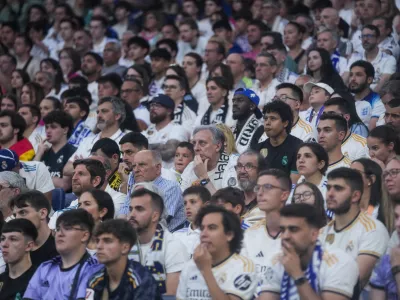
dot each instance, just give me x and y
(8, 160)
(253, 97)
(164, 100)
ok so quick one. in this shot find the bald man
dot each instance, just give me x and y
(236, 64)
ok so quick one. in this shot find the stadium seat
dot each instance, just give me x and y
(58, 199)
(169, 297)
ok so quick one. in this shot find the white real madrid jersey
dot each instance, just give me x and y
(355, 147)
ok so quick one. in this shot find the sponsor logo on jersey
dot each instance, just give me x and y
(242, 282)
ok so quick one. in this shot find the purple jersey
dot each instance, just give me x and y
(50, 282)
(383, 279)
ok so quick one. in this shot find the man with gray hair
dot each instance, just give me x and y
(211, 166)
(329, 40)
(147, 166)
(11, 184)
(110, 114)
(111, 56)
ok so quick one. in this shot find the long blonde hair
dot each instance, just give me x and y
(230, 143)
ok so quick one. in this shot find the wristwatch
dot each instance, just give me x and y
(300, 280)
(204, 182)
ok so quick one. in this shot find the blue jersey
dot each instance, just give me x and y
(137, 283)
(51, 282)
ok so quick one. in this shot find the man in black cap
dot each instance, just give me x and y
(163, 134)
(160, 60)
(245, 110)
(109, 85)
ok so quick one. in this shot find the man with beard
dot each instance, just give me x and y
(147, 168)
(157, 249)
(249, 164)
(384, 64)
(110, 114)
(83, 42)
(91, 67)
(351, 230)
(245, 110)
(255, 30)
(163, 134)
(334, 273)
(368, 103)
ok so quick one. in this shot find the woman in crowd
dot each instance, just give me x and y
(31, 93)
(51, 66)
(151, 27)
(383, 144)
(312, 163)
(70, 63)
(219, 110)
(9, 102)
(374, 199)
(223, 70)
(100, 205)
(48, 105)
(309, 193)
(18, 79)
(293, 38)
(230, 144)
(319, 66)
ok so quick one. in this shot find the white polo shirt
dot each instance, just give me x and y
(266, 94)
(189, 237)
(37, 176)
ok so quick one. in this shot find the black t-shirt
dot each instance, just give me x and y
(44, 253)
(283, 156)
(55, 162)
(11, 289)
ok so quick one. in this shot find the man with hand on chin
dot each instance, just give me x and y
(217, 271)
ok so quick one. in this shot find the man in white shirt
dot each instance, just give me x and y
(110, 114)
(191, 39)
(329, 40)
(217, 271)
(194, 198)
(98, 28)
(351, 230)
(305, 269)
(160, 60)
(91, 67)
(22, 48)
(262, 241)
(271, 16)
(157, 249)
(386, 41)
(384, 64)
(163, 134)
(266, 67)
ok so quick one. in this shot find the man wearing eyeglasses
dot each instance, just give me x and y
(359, 235)
(66, 276)
(11, 185)
(384, 64)
(262, 241)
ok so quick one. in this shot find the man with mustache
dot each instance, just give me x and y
(157, 249)
(351, 230)
(110, 114)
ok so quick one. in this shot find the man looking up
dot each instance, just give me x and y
(245, 110)
(120, 277)
(319, 94)
(366, 238)
(17, 241)
(157, 249)
(66, 276)
(332, 130)
(34, 206)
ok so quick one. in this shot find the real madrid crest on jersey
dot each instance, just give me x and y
(4, 165)
(232, 181)
(60, 159)
(264, 152)
(330, 238)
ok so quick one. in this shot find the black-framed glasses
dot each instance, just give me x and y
(392, 173)
(266, 187)
(169, 87)
(246, 167)
(283, 98)
(68, 228)
(299, 198)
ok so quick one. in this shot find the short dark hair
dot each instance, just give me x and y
(82, 93)
(23, 226)
(27, 40)
(141, 42)
(102, 20)
(75, 217)
(261, 25)
(386, 134)
(276, 36)
(17, 122)
(112, 78)
(83, 106)
(300, 28)
(261, 163)
(108, 146)
(280, 175)
(103, 200)
(96, 57)
(157, 201)
(340, 122)
(197, 57)
(277, 46)
(283, 110)
(244, 14)
(160, 53)
(297, 92)
(352, 177)
(170, 43)
(189, 22)
(62, 118)
(201, 191)
(119, 228)
(35, 199)
(78, 80)
(11, 24)
(94, 167)
(340, 102)
(230, 221)
(395, 102)
(35, 111)
(302, 210)
(373, 28)
(181, 80)
(135, 138)
(188, 146)
(230, 195)
(222, 24)
(319, 152)
(366, 65)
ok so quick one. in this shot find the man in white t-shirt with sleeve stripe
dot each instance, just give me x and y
(110, 115)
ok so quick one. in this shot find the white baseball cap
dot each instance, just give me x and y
(309, 85)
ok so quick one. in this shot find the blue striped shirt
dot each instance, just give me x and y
(173, 201)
